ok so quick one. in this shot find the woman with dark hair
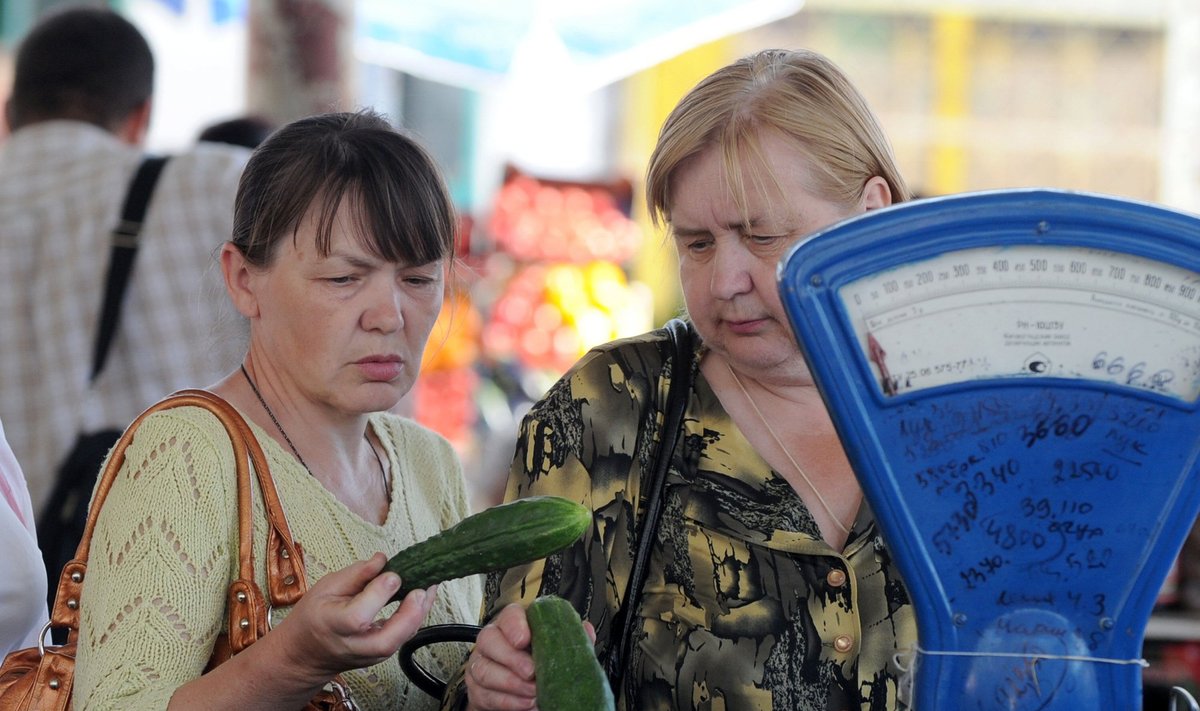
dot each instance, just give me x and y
(343, 232)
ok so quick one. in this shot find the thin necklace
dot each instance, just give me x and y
(383, 473)
(270, 413)
(837, 522)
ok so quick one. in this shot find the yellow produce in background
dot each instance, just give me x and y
(550, 315)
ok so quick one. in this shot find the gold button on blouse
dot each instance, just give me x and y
(836, 578)
(843, 643)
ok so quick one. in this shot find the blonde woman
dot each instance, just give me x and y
(768, 586)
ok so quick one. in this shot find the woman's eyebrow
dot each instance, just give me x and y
(353, 260)
(739, 226)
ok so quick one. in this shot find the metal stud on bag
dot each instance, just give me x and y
(50, 669)
(341, 692)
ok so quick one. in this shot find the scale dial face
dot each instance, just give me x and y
(1027, 311)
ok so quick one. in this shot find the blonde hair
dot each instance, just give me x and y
(800, 95)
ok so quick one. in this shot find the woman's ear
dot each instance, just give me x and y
(875, 194)
(239, 280)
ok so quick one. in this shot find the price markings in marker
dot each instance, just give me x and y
(1015, 377)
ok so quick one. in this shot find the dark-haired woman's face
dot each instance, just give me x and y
(347, 329)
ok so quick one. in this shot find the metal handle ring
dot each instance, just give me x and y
(42, 637)
(422, 678)
(1181, 700)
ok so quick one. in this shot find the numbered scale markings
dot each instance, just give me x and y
(1016, 379)
(1030, 310)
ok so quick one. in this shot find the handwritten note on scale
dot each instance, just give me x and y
(1022, 412)
(1030, 506)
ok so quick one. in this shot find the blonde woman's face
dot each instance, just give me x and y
(728, 253)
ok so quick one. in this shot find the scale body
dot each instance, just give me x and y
(1014, 375)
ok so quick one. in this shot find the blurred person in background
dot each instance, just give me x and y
(768, 585)
(247, 131)
(22, 586)
(78, 114)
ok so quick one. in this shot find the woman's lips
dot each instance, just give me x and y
(746, 327)
(381, 368)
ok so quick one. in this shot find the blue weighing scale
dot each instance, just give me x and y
(1015, 377)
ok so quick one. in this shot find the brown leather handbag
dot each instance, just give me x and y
(40, 678)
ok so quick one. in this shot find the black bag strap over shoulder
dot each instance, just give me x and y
(677, 399)
(124, 248)
(60, 524)
(679, 352)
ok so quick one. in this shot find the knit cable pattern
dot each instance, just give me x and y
(165, 551)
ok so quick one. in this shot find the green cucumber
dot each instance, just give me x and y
(565, 668)
(497, 538)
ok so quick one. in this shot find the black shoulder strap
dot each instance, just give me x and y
(124, 249)
(677, 400)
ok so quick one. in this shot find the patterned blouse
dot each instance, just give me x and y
(745, 606)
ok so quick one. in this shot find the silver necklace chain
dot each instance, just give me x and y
(803, 475)
(270, 413)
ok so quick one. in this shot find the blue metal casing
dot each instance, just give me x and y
(1034, 518)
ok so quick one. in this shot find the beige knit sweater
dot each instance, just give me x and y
(165, 550)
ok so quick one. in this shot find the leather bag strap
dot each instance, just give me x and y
(286, 581)
(285, 564)
(678, 393)
(248, 611)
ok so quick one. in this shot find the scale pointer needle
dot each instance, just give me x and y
(878, 356)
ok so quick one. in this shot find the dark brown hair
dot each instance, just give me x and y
(404, 209)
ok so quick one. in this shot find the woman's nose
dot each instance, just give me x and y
(385, 311)
(731, 274)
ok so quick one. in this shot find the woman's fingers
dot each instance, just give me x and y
(351, 580)
(507, 667)
(499, 673)
(408, 618)
(493, 686)
(356, 594)
(378, 586)
(514, 626)
(340, 615)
